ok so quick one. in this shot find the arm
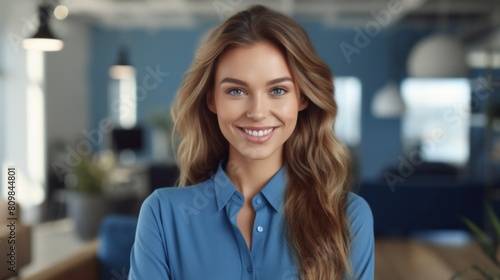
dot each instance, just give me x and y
(148, 259)
(362, 241)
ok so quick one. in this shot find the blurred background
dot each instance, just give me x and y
(86, 89)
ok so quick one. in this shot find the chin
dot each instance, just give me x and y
(257, 155)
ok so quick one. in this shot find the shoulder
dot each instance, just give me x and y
(359, 212)
(362, 251)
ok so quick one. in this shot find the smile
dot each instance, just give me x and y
(258, 136)
(258, 132)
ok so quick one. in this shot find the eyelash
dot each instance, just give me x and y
(230, 91)
(279, 88)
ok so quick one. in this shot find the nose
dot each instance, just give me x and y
(257, 107)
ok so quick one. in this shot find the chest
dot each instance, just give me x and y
(245, 223)
(215, 246)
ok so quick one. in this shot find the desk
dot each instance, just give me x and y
(52, 243)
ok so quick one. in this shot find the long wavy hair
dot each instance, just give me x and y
(317, 164)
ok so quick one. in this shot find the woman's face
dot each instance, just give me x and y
(256, 101)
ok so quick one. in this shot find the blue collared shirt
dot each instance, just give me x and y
(191, 233)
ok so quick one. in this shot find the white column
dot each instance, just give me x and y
(23, 110)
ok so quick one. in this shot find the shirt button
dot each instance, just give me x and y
(260, 229)
(258, 201)
(249, 268)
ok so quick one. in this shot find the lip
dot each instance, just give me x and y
(257, 127)
(258, 139)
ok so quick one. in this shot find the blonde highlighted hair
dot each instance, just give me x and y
(317, 164)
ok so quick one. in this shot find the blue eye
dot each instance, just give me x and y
(278, 91)
(235, 91)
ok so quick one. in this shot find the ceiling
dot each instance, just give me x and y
(477, 20)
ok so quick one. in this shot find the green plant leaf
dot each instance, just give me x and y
(494, 221)
(461, 273)
(486, 274)
(483, 272)
(162, 120)
(90, 176)
(484, 240)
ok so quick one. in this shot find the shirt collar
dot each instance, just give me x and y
(273, 191)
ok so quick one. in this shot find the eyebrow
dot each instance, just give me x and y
(271, 82)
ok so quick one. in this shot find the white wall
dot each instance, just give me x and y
(16, 24)
(67, 111)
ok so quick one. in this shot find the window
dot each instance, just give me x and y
(437, 119)
(348, 122)
(123, 102)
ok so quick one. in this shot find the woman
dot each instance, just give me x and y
(269, 181)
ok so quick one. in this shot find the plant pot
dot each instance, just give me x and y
(87, 211)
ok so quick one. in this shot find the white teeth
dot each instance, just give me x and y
(258, 133)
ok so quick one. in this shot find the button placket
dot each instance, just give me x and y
(232, 209)
(260, 224)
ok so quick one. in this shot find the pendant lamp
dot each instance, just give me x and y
(122, 69)
(438, 56)
(387, 102)
(43, 40)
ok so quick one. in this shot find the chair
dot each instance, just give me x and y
(116, 237)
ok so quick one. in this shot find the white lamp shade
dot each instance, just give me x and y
(43, 44)
(121, 72)
(387, 102)
(438, 56)
(43, 39)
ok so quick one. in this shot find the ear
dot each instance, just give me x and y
(210, 102)
(304, 102)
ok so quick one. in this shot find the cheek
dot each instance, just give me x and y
(227, 113)
(288, 110)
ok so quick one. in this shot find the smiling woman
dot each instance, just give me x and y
(266, 180)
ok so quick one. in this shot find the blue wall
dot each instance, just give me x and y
(170, 51)
(173, 51)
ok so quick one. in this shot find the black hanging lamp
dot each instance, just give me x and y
(43, 39)
(122, 69)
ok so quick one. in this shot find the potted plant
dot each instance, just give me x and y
(490, 245)
(162, 124)
(87, 203)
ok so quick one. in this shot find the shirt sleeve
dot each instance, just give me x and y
(148, 260)
(362, 239)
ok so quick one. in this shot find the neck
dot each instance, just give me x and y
(250, 176)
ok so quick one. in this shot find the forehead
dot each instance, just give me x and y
(255, 61)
